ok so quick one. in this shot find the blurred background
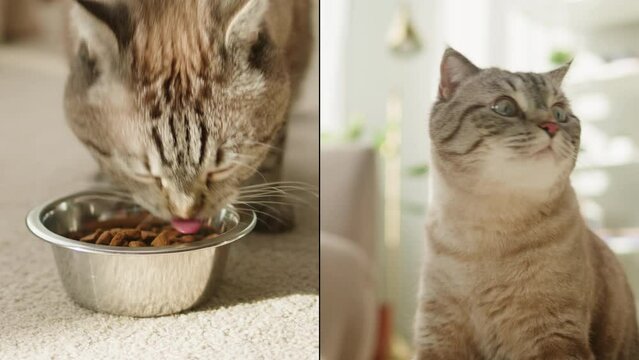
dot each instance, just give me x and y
(380, 64)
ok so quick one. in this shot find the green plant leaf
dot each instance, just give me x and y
(378, 140)
(354, 130)
(418, 170)
(560, 57)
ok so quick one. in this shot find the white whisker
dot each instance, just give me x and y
(252, 208)
(279, 183)
(280, 191)
(255, 170)
(294, 204)
(266, 145)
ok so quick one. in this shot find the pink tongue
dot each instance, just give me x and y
(186, 226)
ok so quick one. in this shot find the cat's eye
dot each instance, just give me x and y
(505, 106)
(219, 157)
(222, 167)
(559, 113)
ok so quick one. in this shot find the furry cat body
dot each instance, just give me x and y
(180, 102)
(512, 271)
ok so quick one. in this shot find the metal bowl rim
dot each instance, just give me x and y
(246, 223)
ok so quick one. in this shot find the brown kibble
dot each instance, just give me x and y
(210, 237)
(186, 239)
(118, 239)
(161, 240)
(147, 235)
(93, 237)
(172, 234)
(115, 230)
(131, 233)
(137, 230)
(104, 238)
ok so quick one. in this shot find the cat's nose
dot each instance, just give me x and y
(185, 207)
(194, 210)
(550, 127)
(186, 212)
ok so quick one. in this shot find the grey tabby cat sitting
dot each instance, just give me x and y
(511, 269)
(184, 102)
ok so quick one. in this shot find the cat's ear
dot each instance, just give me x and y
(557, 76)
(245, 26)
(115, 15)
(454, 69)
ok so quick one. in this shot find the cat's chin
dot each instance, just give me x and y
(533, 172)
(546, 153)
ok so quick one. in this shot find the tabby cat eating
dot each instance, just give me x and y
(183, 102)
(512, 271)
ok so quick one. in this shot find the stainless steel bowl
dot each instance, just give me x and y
(145, 281)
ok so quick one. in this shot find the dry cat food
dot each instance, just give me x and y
(137, 231)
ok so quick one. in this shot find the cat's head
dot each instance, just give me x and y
(496, 130)
(178, 101)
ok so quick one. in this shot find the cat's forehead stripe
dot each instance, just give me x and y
(535, 87)
(176, 72)
(157, 140)
(511, 85)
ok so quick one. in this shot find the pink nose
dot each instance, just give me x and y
(550, 127)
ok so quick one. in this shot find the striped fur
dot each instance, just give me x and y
(181, 102)
(512, 271)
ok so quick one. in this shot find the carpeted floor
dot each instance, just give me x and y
(267, 307)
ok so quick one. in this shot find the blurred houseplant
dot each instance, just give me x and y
(356, 131)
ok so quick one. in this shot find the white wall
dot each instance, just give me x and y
(372, 73)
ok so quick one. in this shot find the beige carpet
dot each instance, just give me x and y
(267, 307)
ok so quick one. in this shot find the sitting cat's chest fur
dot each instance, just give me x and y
(496, 281)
